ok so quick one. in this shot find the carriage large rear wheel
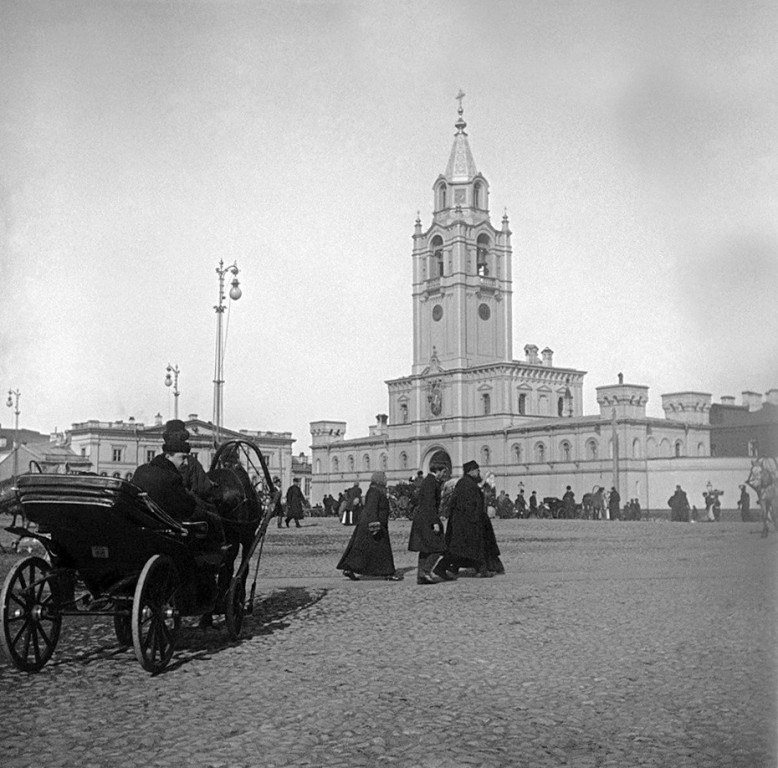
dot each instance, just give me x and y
(155, 617)
(235, 608)
(31, 617)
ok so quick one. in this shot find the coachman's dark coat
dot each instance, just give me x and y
(423, 537)
(366, 554)
(164, 485)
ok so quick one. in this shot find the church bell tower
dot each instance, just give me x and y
(462, 293)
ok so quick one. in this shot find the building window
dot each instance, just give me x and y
(335, 464)
(403, 460)
(664, 448)
(366, 463)
(516, 452)
(437, 267)
(150, 453)
(592, 450)
(540, 452)
(482, 256)
(83, 451)
(403, 413)
(701, 449)
(116, 454)
(477, 195)
(383, 462)
(753, 448)
(485, 456)
(318, 466)
(565, 451)
(487, 403)
(543, 405)
(128, 476)
(442, 196)
(117, 475)
(678, 449)
(636, 448)
(522, 405)
(560, 406)
(350, 463)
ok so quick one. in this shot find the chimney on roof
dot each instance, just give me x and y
(753, 400)
(191, 417)
(531, 354)
(772, 396)
(727, 400)
(158, 420)
(548, 355)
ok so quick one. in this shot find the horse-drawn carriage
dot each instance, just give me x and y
(112, 551)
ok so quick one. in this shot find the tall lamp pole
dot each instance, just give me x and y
(13, 402)
(171, 380)
(218, 377)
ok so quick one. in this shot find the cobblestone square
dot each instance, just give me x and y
(605, 644)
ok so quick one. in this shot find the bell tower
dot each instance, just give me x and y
(462, 295)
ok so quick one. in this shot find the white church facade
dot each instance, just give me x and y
(468, 398)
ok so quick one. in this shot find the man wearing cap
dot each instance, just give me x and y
(161, 478)
(427, 528)
(465, 532)
(295, 503)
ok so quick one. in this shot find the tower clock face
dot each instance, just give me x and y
(437, 312)
(484, 312)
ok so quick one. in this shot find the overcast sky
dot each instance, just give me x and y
(633, 145)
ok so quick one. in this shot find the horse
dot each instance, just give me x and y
(763, 478)
(599, 506)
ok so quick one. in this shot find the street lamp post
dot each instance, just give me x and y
(218, 377)
(13, 402)
(171, 380)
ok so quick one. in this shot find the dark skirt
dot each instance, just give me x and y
(366, 555)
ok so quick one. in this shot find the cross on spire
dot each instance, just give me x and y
(459, 97)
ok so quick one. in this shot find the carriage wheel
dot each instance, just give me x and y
(122, 626)
(235, 609)
(155, 618)
(31, 618)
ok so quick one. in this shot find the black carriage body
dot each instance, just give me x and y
(105, 529)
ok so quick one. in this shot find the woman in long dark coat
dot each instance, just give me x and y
(369, 552)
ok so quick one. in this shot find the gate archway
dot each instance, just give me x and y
(436, 457)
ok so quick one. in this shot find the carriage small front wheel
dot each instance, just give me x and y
(155, 617)
(31, 617)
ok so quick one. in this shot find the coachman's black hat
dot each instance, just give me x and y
(469, 466)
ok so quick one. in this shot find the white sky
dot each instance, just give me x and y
(633, 145)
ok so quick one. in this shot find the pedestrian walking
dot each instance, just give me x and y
(744, 505)
(521, 505)
(466, 532)
(533, 504)
(369, 551)
(614, 504)
(295, 503)
(568, 503)
(679, 506)
(426, 535)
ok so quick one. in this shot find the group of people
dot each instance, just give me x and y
(466, 542)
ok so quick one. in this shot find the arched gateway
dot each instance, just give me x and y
(437, 457)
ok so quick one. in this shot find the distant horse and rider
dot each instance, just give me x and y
(763, 478)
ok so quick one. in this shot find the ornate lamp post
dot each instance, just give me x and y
(218, 377)
(171, 380)
(13, 402)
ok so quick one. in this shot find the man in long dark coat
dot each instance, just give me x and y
(426, 536)
(295, 503)
(466, 531)
(679, 506)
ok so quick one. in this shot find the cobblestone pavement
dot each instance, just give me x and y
(605, 644)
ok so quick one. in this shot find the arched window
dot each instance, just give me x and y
(592, 449)
(366, 463)
(485, 455)
(543, 405)
(487, 403)
(477, 194)
(441, 196)
(350, 463)
(335, 465)
(403, 413)
(522, 404)
(565, 450)
(383, 462)
(516, 453)
(128, 476)
(437, 268)
(678, 448)
(403, 460)
(700, 449)
(318, 466)
(664, 448)
(482, 255)
(636, 448)
(540, 452)
(651, 448)
(560, 406)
